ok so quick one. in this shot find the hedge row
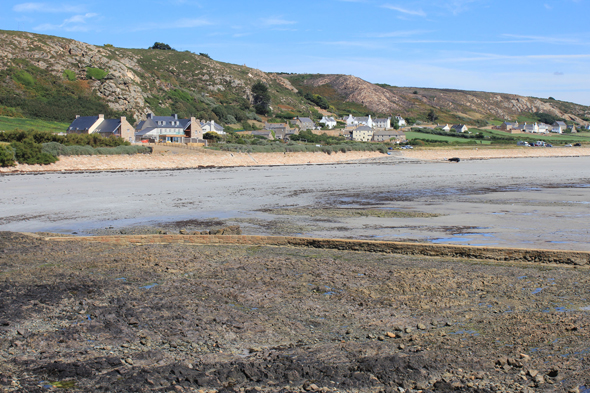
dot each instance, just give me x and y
(57, 149)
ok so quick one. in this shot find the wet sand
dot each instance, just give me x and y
(525, 203)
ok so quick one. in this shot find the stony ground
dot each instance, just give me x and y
(178, 318)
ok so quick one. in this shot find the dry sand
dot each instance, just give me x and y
(489, 153)
(200, 159)
(174, 158)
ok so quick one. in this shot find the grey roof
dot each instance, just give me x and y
(108, 126)
(169, 122)
(362, 119)
(82, 123)
(217, 126)
(388, 133)
(560, 123)
(305, 120)
(380, 120)
(363, 128)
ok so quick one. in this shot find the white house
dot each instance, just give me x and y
(329, 122)
(401, 121)
(211, 126)
(384, 123)
(459, 128)
(446, 128)
(532, 128)
(359, 121)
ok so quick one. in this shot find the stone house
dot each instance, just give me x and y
(389, 135)
(120, 128)
(304, 123)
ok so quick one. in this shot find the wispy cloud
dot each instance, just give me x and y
(276, 21)
(547, 6)
(544, 39)
(74, 23)
(395, 34)
(48, 8)
(405, 11)
(459, 6)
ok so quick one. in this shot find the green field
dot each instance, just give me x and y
(12, 123)
(556, 139)
(449, 139)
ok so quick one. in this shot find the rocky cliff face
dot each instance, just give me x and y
(474, 105)
(134, 75)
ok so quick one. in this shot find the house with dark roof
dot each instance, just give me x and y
(168, 129)
(459, 128)
(120, 128)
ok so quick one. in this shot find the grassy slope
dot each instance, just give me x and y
(10, 123)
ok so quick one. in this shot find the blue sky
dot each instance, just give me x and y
(530, 47)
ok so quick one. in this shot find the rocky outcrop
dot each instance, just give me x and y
(468, 104)
(128, 83)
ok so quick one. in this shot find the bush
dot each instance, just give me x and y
(6, 155)
(95, 73)
(69, 75)
(57, 149)
(94, 140)
(24, 78)
(29, 152)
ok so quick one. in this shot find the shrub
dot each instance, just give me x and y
(29, 152)
(95, 73)
(6, 155)
(57, 149)
(24, 78)
(69, 75)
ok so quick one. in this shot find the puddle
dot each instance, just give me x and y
(149, 286)
(536, 291)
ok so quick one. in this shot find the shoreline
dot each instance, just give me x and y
(165, 160)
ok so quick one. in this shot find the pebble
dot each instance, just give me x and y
(390, 335)
(421, 326)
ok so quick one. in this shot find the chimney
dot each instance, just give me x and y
(175, 116)
(101, 116)
(77, 116)
(150, 115)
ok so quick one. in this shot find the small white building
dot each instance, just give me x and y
(401, 121)
(211, 126)
(329, 122)
(460, 128)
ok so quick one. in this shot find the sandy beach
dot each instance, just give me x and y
(173, 158)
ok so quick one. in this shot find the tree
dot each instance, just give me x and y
(395, 123)
(261, 98)
(160, 46)
(432, 116)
